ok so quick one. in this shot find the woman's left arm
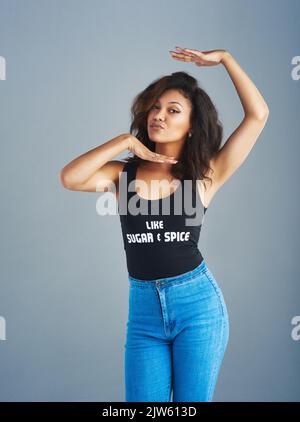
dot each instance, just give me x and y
(241, 141)
(239, 144)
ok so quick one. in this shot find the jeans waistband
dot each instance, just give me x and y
(170, 281)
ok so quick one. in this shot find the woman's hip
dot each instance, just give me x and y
(194, 295)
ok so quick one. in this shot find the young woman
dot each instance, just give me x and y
(178, 326)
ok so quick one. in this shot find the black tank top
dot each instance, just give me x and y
(158, 241)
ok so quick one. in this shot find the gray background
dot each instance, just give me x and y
(73, 68)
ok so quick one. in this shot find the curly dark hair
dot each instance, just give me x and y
(207, 130)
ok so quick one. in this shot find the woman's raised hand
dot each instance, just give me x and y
(200, 58)
(138, 148)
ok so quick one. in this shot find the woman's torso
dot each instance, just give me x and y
(165, 244)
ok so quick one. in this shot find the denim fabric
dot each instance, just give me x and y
(176, 337)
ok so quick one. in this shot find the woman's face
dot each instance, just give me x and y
(172, 111)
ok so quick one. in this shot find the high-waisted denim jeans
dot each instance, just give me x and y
(177, 333)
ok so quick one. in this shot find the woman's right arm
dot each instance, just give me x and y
(95, 170)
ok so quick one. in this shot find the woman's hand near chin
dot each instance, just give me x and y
(138, 148)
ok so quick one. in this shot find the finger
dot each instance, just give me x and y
(166, 157)
(182, 56)
(181, 48)
(187, 49)
(181, 53)
(157, 157)
(195, 53)
(170, 159)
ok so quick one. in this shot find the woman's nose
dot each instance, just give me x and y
(160, 114)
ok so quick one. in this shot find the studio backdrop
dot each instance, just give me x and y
(69, 71)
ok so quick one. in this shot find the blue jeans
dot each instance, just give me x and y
(177, 333)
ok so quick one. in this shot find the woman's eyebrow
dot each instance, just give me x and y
(174, 102)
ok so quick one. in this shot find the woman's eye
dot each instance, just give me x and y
(170, 109)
